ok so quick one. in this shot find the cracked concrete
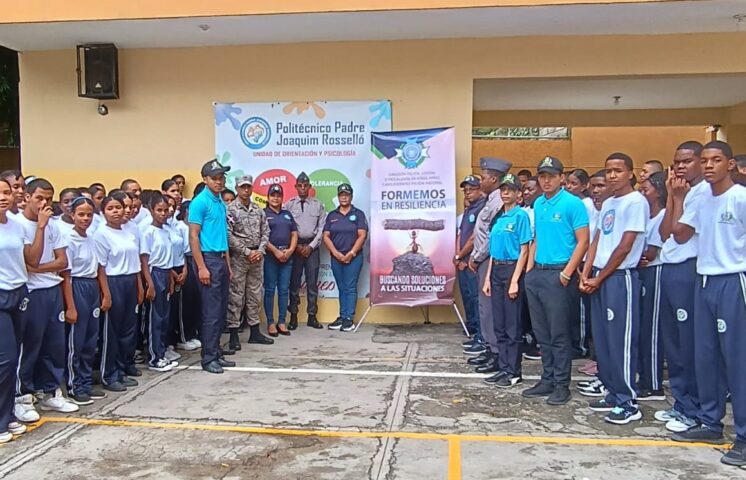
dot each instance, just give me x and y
(173, 404)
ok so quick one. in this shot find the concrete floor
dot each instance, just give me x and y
(384, 403)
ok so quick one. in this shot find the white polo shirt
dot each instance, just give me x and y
(653, 237)
(117, 251)
(629, 213)
(157, 244)
(720, 222)
(53, 240)
(12, 242)
(673, 252)
(81, 256)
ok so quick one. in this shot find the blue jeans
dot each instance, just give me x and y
(468, 284)
(276, 278)
(346, 276)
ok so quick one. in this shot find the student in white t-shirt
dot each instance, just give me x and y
(86, 295)
(16, 251)
(65, 220)
(650, 348)
(118, 252)
(610, 275)
(42, 359)
(156, 256)
(720, 302)
(179, 233)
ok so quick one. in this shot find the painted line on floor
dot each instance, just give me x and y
(621, 442)
(454, 459)
(369, 373)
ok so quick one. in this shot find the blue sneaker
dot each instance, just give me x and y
(623, 415)
(475, 349)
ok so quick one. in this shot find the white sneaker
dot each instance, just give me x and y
(666, 416)
(24, 410)
(681, 424)
(161, 366)
(172, 354)
(186, 346)
(5, 437)
(196, 342)
(58, 403)
(16, 428)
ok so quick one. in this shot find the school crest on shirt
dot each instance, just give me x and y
(353, 217)
(607, 225)
(510, 227)
(556, 217)
(727, 217)
(472, 218)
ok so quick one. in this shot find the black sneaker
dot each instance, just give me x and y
(97, 393)
(468, 342)
(494, 378)
(132, 371)
(532, 353)
(623, 415)
(129, 382)
(560, 396)
(490, 366)
(347, 325)
(699, 434)
(475, 349)
(651, 395)
(481, 359)
(601, 405)
(336, 325)
(509, 381)
(81, 399)
(541, 389)
(736, 456)
(587, 383)
(115, 387)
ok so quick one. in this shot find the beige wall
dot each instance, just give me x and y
(164, 124)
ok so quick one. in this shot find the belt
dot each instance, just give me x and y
(304, 241)
(551, 266)
(504, 262)
(253, 247)
(214, 254)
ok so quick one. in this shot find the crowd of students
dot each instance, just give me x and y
(648, 271)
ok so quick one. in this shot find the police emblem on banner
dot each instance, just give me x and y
(412, 154)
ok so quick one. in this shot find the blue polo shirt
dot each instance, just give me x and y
(469, 220)
(281, 227)
(343, 228)
(208, 210)
(556, 221)
(511, 230)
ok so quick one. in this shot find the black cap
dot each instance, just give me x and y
(344, 188)
(550, 165)
(472, 180)
(275, 188)
(491, 163)
(303, 178)
(511, 181)
(213, 168)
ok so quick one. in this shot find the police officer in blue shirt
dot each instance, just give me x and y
(208, 238)
(345, 232)
(278, 265)
(467, 279)
(561, 240)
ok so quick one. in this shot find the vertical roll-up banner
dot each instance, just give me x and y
(413, 217)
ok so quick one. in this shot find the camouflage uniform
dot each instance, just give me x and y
(247, 231)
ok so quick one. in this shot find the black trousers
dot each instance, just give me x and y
(310, 266)
(551, 315)
(214, 299)
(507, 319)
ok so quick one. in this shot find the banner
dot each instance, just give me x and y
(413, 217)
(330, 141)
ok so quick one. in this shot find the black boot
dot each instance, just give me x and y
(234, 343)
(256, 336)
(293, 324)
(313, 322)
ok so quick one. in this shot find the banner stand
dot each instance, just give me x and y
(426, 314)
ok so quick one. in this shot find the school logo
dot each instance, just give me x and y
(607, 226)
(353, 217)
(510, 227)
(287, 217)
(472, 218)
(722, 327)
(61, 317)
(681, 315)
(609, 314)
(255, 133)
(557, 217)
(547, 162)
(727, 217)
(96, 312)
(412, 154)
(24, 304)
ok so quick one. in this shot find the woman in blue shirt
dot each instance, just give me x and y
(509, 239)
(345, 232)
(278, 266)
